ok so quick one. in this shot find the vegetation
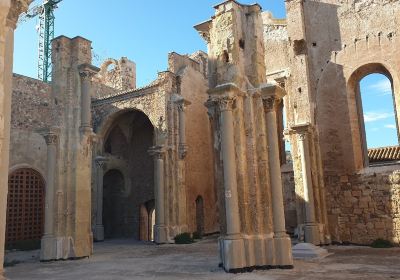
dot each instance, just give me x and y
(183, 238)
(381, 243)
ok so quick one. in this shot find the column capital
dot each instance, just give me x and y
(181, 103)
(270, 103)
(16, 9)
(269, 89)
(87, 71)
(211, 105)
(204, 30)
(51, 135)
(101, 161)
(301, 130)
(157, 152)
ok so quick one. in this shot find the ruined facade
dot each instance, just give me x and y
(202, 148)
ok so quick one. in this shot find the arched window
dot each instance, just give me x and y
(378, 111)
(25, 209)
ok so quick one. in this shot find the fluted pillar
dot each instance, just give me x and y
(86, 71)
(99, 228)
(311, 231)
(48, 243)
(160, 227)
(272, 95)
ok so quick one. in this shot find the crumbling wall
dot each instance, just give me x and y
(118, 74)
(31, 111)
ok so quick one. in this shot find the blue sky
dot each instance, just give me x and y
(144, 31)
(378, 109)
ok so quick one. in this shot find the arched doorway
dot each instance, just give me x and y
(199, 216)
(128, 140)
(113, 199)
(25, 209)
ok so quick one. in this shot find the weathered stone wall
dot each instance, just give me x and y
(118, 74)
(364, 207)
(31, 111)
(199, 179)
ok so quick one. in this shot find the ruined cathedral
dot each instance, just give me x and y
(203, 148)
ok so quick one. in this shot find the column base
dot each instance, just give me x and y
(283, 251)
(56, 248)
(160, 234)
(99, 233)
(232, 253)
(2, 277)
(311, 234)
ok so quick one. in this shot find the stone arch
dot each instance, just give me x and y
(106, 64)
(354, 93)
(146, 220)
(26, 200)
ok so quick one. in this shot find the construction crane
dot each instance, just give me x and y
(45, 11)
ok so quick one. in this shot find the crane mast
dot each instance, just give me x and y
(45, 11)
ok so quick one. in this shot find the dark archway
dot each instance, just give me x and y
(113, 197)
(128, 140)
(200, 216)
(25, 209)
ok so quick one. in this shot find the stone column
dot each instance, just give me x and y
(182, 127)
(99, 229)
(160, 227)
(9, 12)
(231, 244)
(86, 71)
(311, 231)
(48, 244)
(272, 95)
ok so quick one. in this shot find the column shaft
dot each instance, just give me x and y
(307, 180)
(86, 102)
(99, 229)
(49, 209)
(275, 175)
(229, 168)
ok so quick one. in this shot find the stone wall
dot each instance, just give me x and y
(31, 111)
(289, 196)
(364, 207)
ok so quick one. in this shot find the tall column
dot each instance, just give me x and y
(160, 228)
(232, 243)
(48, 244)
(9, 12)
(281, 239)
(99, 229)
(311, 231)
(86, 71)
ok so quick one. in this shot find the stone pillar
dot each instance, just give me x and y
(160, 227)
(272, 95)
(311, 231)
(86, 71)
(231, 244)
(9, 12)
(48, 244)
(182, 127)
(99, 229)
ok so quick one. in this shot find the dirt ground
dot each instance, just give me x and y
(125, 259)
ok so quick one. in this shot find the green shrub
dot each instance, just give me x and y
(381, 243)
(183, 238)
(197, 235)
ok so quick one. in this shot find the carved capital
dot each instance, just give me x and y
(225, 103)
(211, 107)
(157, 152)
(101, 162)
(182, 104)
(270, 103)
(87, 71)
(50, 135)
(204, 30)
(182, 151)
(17, 7)
(51, 139)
